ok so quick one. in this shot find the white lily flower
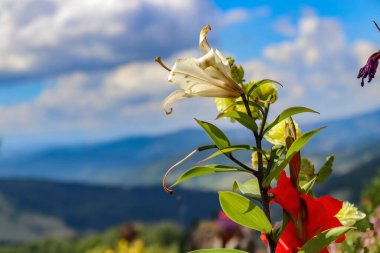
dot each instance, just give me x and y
(207, 76)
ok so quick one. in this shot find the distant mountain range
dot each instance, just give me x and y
(78, 189)
(33, 209)
(142, 160)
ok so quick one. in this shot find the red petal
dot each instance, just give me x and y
(332, 205)
(320, 214)
(286, 195)
(288, 242)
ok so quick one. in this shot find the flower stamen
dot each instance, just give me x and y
(159, 61)
(164, 181)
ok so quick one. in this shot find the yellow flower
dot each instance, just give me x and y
(255, 161)
(122, 246)
(264, 92)
(349, 214)
(207, 76)
(276, 135)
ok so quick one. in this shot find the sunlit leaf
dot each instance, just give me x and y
(240, 117)
(217, 135)
(288, 113)
(249, 188)
(244, 212)
(324, 239)
(308, 186)
(206, 170)
(297, 145)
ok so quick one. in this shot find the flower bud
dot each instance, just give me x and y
(277, 134)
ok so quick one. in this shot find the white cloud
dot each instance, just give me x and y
(48, 37)
(318, 68)
(126, 99)
(284, 26)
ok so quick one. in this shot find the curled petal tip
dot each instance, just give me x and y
(169, 112)
(168, 191)
(205, 30)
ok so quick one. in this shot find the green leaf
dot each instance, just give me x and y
(259, 83)
(288, 113)
(206, 170)
(244, 212)
(307, 187)
(297, 145)
(218, 251)
(363, 225)
(324, 239)
(229, 150)
(306, 173)
(249, 188)
(217, 135)
(275, 154)
(240, 117)
(207, 147)
(300, 142)
(326, 170)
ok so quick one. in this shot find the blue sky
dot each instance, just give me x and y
(83, 70)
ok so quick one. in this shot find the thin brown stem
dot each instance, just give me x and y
(254, 172)
(260, 172)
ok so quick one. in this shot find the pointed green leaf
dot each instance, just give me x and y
(217, 135)
(297, 145)
(301, 142)
(249, 188)
(326, 170)
(324, 239)
(288, 113)
(207, 147)
(218, 251)
(307, 187)
(244, 212)
(206, 170)
(229, 150)
(240, 117)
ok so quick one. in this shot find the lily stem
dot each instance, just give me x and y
(261, 173)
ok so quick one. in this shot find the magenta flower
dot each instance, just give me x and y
(369, 69)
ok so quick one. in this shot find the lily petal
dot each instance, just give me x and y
(174, 96)
(203, 43)
(190, 75)
(222, 63)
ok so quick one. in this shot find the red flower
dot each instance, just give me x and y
(309, 216)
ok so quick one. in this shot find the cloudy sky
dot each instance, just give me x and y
(84, 70)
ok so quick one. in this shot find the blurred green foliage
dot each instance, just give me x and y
(162, 237)
(370, 198)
